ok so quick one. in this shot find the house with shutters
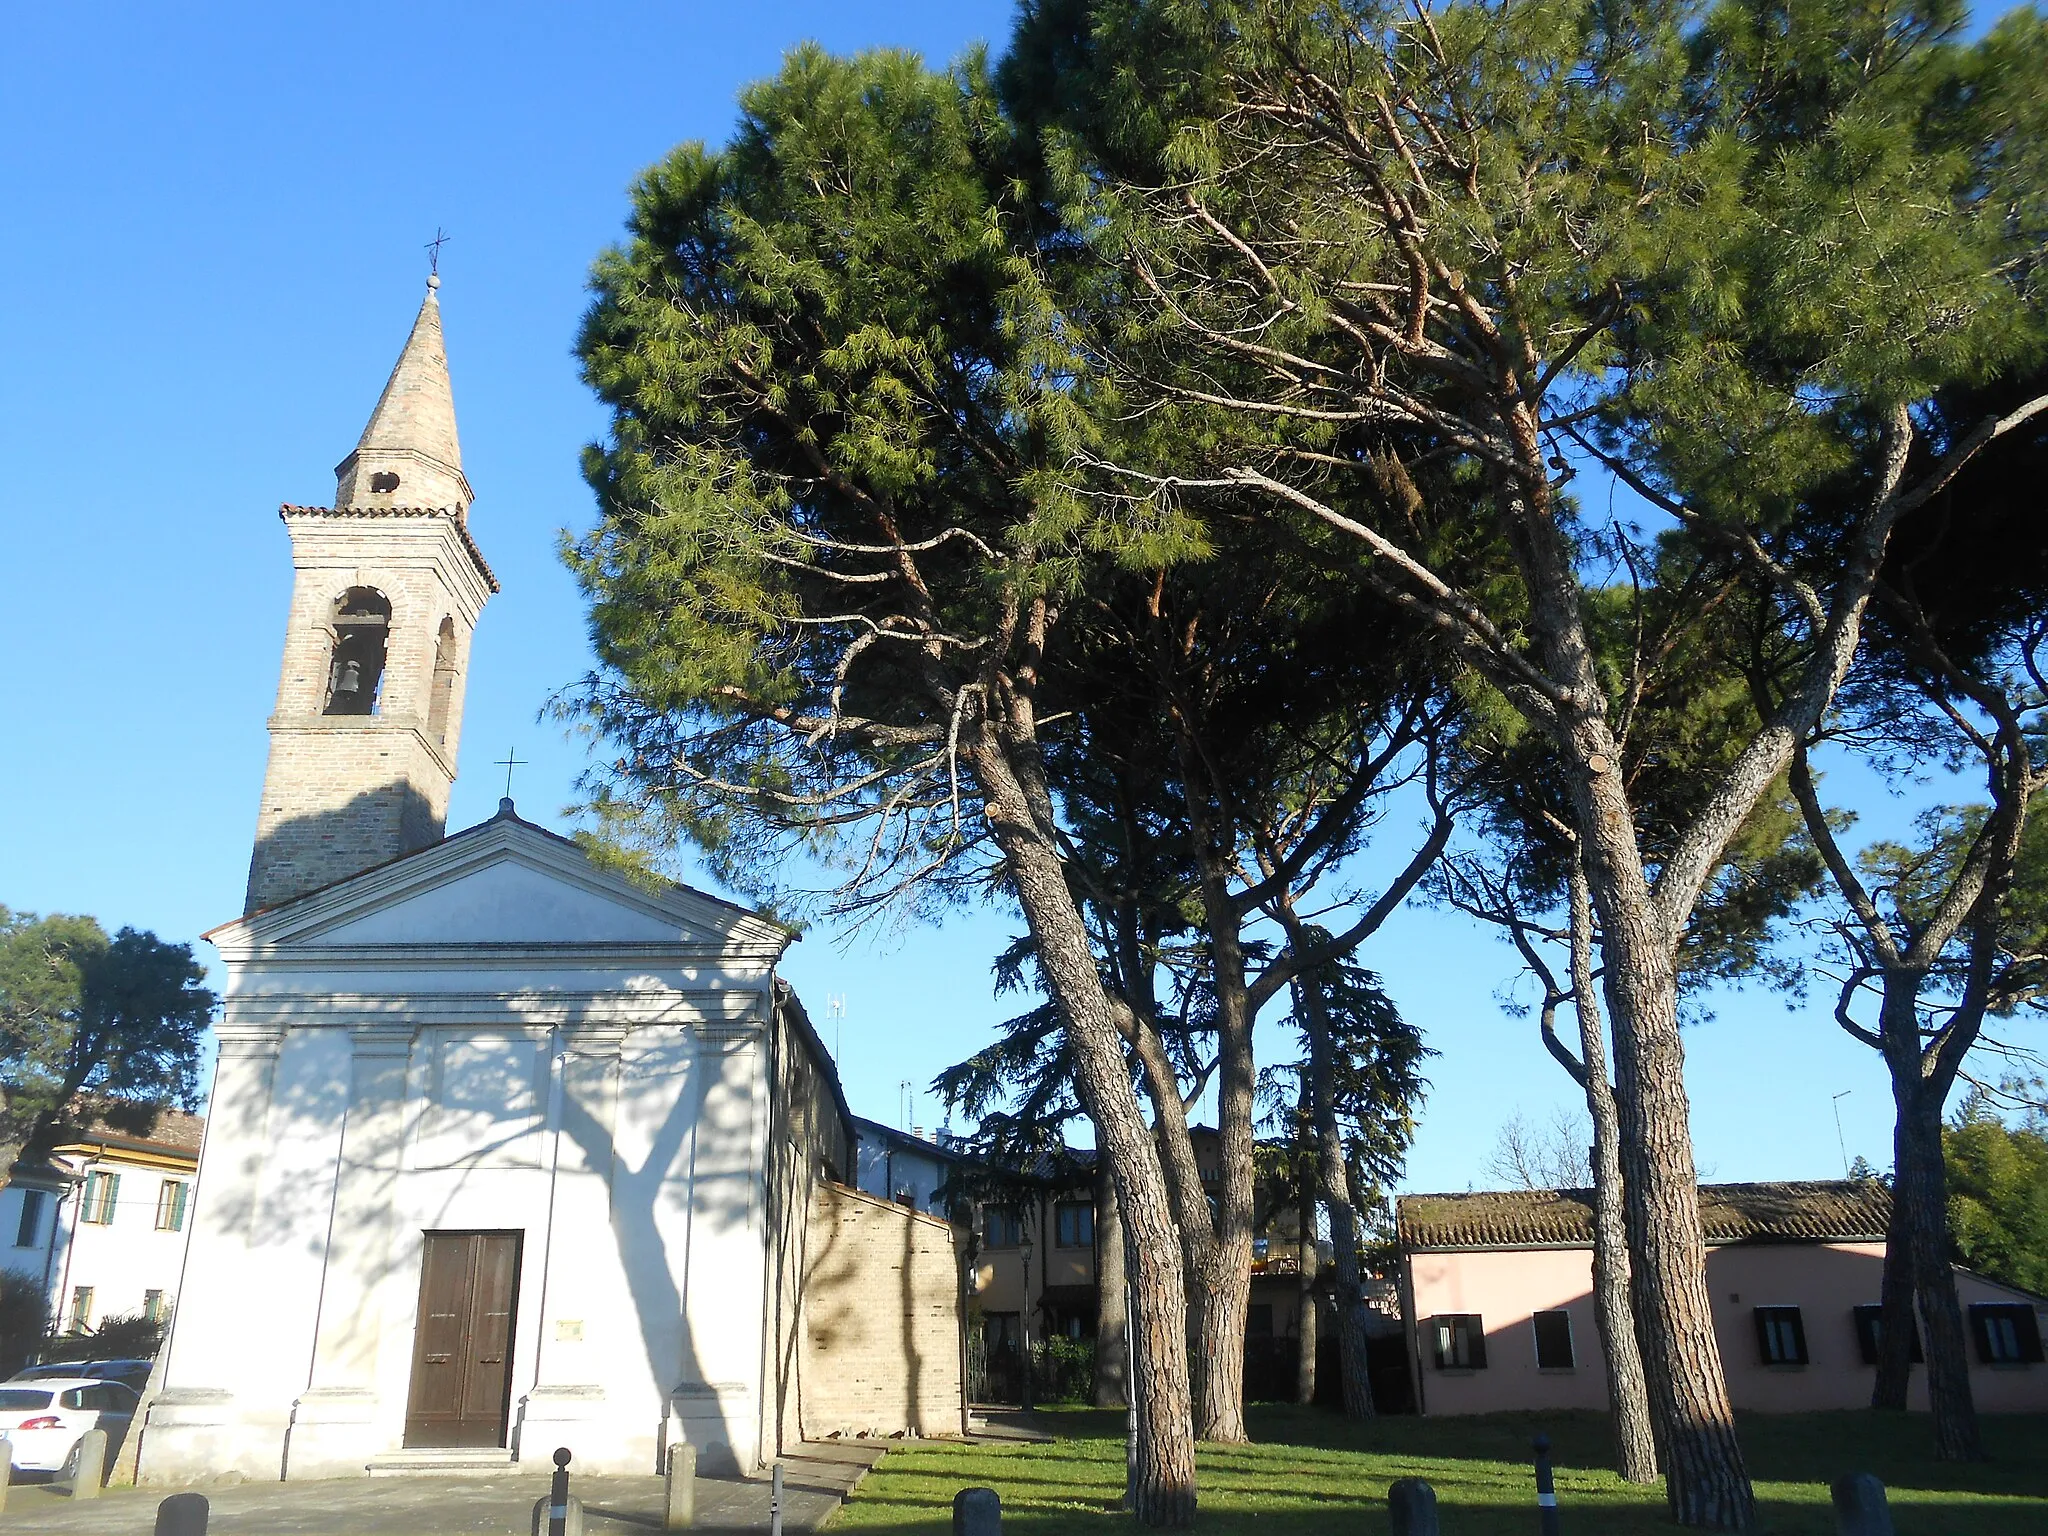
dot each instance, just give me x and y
(100, 1225)
(1497, 1300)
(506, 1151)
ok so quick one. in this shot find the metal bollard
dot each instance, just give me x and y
(1546, 1491)
(89, 1457)
(1860, 1506)
(572, 1516)
(977, 1512)
(6, 1468)
(775, 1501)
(1411, 1508)
(558, 1495)
(182, 1514)
(679, 1502)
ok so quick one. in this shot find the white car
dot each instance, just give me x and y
(41, 1420)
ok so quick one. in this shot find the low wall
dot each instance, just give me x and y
(881, 1328)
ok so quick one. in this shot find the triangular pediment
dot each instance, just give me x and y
(505, 883)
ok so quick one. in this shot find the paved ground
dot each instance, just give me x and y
(814, 1485)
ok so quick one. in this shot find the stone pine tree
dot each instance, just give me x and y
(1498, 897)
(1938, 934)
(1233, 729)
(820, 617)
(1252, 748)
(1519, 869)
(1358, 1086)
(1403, 251)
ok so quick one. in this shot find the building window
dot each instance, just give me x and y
(1553, 1341)
(1460, 1341)
(2007, 1334)
(80, 1317)
(441, 704)
(102, 1190)
(170, 1205)
(362, 623)
(1869, 1322)
(153, 1307)
(1001, 1228)
(31, 1218)
(1780, 1336)
(1074, 1224)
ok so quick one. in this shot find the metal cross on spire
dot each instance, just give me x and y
(508, 762)
(434, 251)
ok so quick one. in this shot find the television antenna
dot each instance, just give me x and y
(1840, 1140)
(835, 1010)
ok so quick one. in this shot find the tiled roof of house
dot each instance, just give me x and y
(172, 1131)
(1807, 1211)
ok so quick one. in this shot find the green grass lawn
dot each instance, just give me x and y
(1313, 1473)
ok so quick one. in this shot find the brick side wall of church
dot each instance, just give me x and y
(881, 1344)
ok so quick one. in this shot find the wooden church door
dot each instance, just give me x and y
(462, 1347)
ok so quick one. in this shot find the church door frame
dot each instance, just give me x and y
(460, 1393)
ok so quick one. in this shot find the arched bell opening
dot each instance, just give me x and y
(442, 700)
(362, 628)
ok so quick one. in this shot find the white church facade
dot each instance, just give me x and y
(505, 1151)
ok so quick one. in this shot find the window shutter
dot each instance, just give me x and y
(1798, 1324)
(1763, 1335)
(2029, 1325)
(1980, 1330)
(1867, 1319)
(1477, 1340)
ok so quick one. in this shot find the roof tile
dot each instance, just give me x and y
(1805, 1211)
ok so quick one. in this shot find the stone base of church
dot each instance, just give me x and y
(592, 1428)
(334, 1433)
(196, 1434)
(702, 1414)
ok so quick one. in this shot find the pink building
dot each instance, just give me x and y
(1497, 1299)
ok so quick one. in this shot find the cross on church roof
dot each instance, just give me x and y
(434, 251)
(508, 762)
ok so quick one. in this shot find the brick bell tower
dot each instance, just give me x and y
(387, 589)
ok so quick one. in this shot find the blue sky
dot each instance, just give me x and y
(215, 221)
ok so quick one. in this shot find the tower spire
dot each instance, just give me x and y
(409, 454)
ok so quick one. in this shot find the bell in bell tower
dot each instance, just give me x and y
(387, 590)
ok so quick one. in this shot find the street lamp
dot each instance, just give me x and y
(1024, 1318)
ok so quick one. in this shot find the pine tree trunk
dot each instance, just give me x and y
(1222, 1325)
(1224, 1272)
(1705, 1481)
(1019, 817)
(1628, 1398)
(1353, 1359)
(1896, 1325)
(1305, 1301)
(1111, 1342)
(1920, 1194)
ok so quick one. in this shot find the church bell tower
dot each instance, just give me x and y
(387, 589)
